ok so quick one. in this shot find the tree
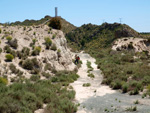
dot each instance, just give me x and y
(55, 23)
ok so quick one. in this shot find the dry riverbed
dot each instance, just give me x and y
(98, 98)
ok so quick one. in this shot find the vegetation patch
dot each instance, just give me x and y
(48, 42)
(9, 57)
(28, 96)
(131, 108)
(91, 75)
(86, 85)
(36, 51)
(8, 38)
(14, 70)
(55, 23)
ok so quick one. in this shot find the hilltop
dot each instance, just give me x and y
(66, 26)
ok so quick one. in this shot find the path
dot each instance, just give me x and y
(99, 98)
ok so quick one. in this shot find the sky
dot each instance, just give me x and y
(135, 13)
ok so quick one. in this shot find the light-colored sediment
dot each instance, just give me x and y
(96, 89)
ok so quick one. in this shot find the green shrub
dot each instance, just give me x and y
(35, 77)
(26, 51)
(7, 49)
(34, 41)
(55, 23)
(88, 64)
(54, 47)
(131, 108)
(13, 43)
(91, 75)
(54, 35)
(59, 53)
(54, 79)
(0, 30)
(125, 88)
(29, 96)
(9, 38)
(48, 66)
(116, 84)
(36, 51)
(24, 28)
(14, 70)
(47, 75)
(136, 102)
(1, 50)
(3, 81)
(48, 42)
(9, 57)
(27, 64)
(34, 33)
(86, 84)
(31, 64)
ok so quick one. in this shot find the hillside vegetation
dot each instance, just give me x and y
(126, 70)
(94, 37)
(66, 26)
(33, 64)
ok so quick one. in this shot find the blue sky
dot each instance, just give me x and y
(135, 13)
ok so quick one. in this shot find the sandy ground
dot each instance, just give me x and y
(96, 89)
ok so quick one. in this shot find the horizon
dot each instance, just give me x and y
(133, 13)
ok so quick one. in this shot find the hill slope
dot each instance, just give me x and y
(35, 51)
(98, 36)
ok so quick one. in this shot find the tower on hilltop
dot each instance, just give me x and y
(56, 12)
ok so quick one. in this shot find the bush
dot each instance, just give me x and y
(36, 51)
(27, 64)
(48, 66)
(131, 108)
(88, 64)
(7, 49)
(54, 47)
(86, 84)
(3, 81)
(47, 75)
(55, 23)
(125, 88)
(31, 64)
(15, 70)
(9, 57)
(54, 35)
(23, 53)
(116, 84)
(34, 41)
(59, 53)
(1, 50)
(0, 30)
(35, 77)
(48, 42)
(34, 33)
(9, 38)
(91, 75)
(13, 43)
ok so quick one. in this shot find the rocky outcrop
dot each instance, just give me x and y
(131, 43)
(57, 57)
